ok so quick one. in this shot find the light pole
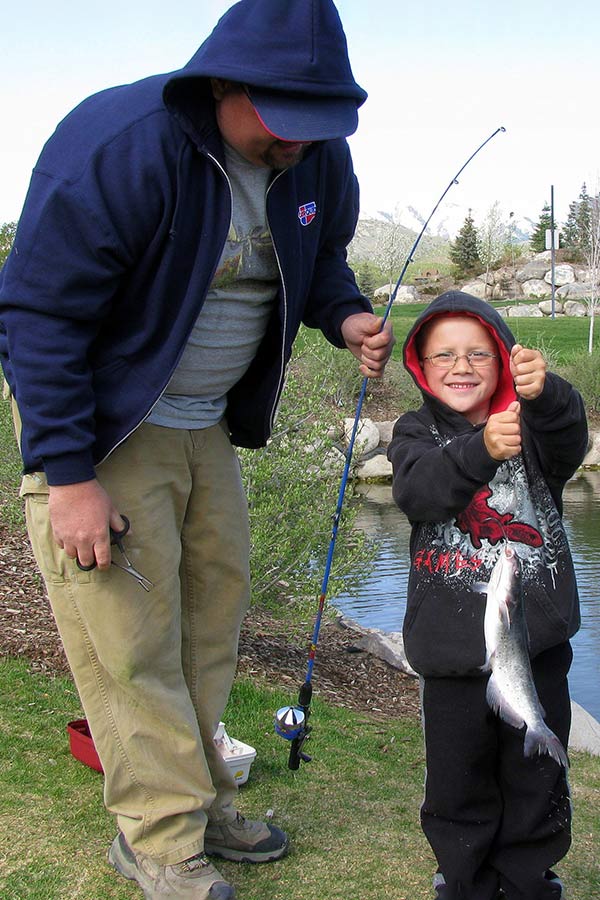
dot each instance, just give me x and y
(552, 247)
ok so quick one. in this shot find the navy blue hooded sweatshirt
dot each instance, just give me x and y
(464, 505)
(123, 226)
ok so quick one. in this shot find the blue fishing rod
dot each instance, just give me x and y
(291, 722)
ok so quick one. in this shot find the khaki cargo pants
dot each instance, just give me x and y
(154, 670)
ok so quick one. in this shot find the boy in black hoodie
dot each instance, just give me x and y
(483, 462)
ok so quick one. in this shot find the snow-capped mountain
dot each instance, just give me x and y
(446, 222)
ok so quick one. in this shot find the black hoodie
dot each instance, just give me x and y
(463, 506)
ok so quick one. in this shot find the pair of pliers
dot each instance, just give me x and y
(116, 538)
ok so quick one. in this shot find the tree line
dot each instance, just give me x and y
(478, 248)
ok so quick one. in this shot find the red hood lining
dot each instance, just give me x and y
(505, 392)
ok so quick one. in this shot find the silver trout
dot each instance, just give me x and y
(511, 691)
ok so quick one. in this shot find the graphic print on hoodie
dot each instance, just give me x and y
(464, 506)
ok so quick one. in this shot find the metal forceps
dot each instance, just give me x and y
(116, 538)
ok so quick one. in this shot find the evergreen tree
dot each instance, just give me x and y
(366, 278)
(570, 234)
(463, 251)
(538, 238)
(584, 220)
(578, 224)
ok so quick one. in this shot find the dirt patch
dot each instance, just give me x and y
(343, 675)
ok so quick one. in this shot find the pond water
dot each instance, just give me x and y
(379, 602)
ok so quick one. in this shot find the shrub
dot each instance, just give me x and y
(293, 485)
(582, 369)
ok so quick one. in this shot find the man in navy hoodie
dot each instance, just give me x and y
(176, 233)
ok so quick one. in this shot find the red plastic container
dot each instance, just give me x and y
(82, 745)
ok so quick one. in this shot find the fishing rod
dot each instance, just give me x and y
(291, 722)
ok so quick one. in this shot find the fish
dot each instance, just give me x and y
(511, 691)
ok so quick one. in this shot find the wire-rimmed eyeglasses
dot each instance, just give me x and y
(447, 360)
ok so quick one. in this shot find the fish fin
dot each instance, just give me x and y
(545, 741)
(504, 615)
(487, 666)
(499, 704)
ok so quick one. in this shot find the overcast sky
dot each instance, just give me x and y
(441, 77)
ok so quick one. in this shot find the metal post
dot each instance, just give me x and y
(552, 248)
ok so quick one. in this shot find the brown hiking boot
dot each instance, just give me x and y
(243, 840)
(193, 879)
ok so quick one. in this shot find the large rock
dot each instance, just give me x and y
(387, 645)
(376, 468)
(537, 269)
(525, 312)
(367, 435)
(546, 307)
(592, 457)
(476, 289)
(577, 291)
(407, 293)
(385, 431)
(503, 274)
(574, 308)
(563, 274)
(535, 287)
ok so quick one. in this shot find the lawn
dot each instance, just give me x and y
(352, 813)
(557, 338)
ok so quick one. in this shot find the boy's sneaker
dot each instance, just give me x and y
(243, 840)
(550, 876)
(194, 878)
(553, 878)
(439, 886)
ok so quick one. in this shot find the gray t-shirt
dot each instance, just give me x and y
(234, 317)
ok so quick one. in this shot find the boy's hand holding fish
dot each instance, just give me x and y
(528, 369)
(502, 433)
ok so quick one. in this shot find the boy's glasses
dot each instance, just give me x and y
(447, 360)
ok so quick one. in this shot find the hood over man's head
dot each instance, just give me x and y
(292, 56)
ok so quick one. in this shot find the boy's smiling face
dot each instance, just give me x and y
(464, 388)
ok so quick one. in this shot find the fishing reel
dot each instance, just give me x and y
(291, 723)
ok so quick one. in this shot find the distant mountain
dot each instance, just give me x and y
(447, 221)
(368, 238)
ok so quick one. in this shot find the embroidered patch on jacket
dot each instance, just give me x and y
(307, 212)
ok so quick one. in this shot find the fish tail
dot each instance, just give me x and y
(543, 740)
(498, 702)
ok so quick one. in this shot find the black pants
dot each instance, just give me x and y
(495, 818)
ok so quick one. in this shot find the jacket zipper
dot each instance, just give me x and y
(147, 413)
(281, 382)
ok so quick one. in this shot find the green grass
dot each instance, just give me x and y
(352, 813)
(558, 337)
(11, 510)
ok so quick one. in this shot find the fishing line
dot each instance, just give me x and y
(291, 722)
